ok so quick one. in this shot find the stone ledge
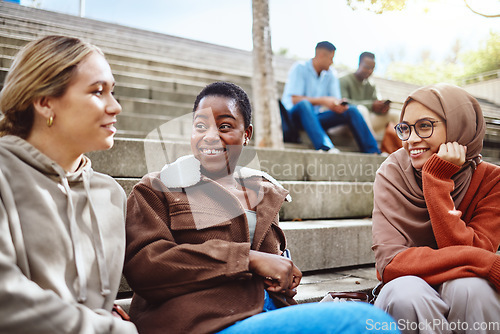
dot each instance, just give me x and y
(324, 247)
(328, 244)
(314, 286)
(314, 200)
(127, 159)
(320, 200)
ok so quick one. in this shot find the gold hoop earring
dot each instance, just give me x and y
(50, 121)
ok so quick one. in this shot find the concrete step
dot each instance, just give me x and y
(138, 106)
(166, 61)
(13, 39)
(326, 244)
(184, 94)
(394, 90)
(143, 87)
(138, 63)
(102, 33)
(149, 88)
(313, 286)
(320, 200)
(161, 88)
(175, 78)
(334, 255)
(175, 72)
(316, 200)
(33, 28)
(133, 158)
(158, 127)
(141, 122)
(8, 49)
(157, 82)
(33, 22)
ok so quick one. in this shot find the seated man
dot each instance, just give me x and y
(361, 92)
(314, 103)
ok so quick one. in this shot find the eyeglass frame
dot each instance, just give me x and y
(410, 125)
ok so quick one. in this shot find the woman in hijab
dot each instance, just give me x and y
(436, 218)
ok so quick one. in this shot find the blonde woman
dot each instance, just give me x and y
(61, 224)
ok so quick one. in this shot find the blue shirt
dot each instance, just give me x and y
(303, 80)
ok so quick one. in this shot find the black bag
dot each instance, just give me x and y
(290, 131)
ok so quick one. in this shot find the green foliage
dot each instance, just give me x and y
(35, 4)
(471, 63)
(486, 59)
(380, 6)
(377, 6)
(458, 67)
(426, 72)
(282, 52)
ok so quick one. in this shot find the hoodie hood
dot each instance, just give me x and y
(36, 159)
(32, 157)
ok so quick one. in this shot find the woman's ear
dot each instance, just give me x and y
(43, 106)
(248, 134)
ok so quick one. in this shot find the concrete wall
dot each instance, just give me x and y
(489, 90)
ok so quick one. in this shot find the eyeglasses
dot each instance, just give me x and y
(423, 128)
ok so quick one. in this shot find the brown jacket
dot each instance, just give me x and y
(187, 254)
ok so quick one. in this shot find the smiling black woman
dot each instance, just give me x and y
(206, 231)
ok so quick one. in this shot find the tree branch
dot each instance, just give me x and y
(478, 13)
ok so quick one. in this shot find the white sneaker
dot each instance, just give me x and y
(333, 150)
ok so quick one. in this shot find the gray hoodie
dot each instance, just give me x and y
(62, 240)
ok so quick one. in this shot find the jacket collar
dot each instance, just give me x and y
(186, 172)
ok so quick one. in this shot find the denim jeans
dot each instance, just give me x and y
(304, 116)
(324, 318)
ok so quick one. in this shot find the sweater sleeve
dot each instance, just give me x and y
(436, 266)
(157, 268)
(464, 248)
(483, 229)
(26, 306)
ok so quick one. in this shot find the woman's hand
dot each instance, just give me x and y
(453, 152)
(279, 272)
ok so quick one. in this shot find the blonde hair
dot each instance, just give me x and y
(44, 67)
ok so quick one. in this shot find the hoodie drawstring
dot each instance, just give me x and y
(77, 245)
(98, 243)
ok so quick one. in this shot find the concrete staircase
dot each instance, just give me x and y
(327, 225)
(157, 75)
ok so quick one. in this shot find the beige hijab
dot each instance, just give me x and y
(400, 216)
